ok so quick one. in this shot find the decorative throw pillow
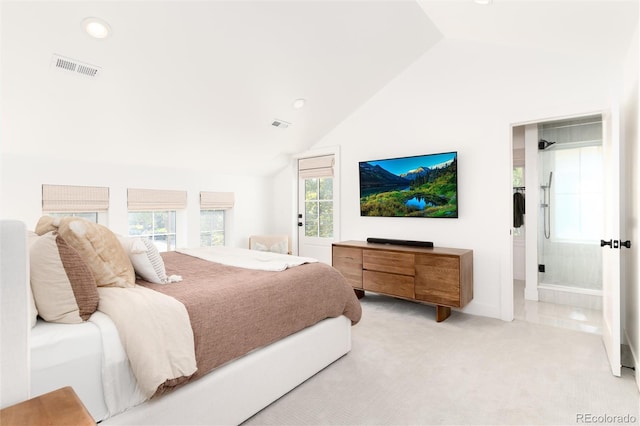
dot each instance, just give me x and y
(132, 245)
(280, 247)
(146, 260)
(63, 286)
(100, 249)
(46, 224)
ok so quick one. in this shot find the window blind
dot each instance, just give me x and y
(74, 199)
(155, 199)
(216, 200)
(315, 167)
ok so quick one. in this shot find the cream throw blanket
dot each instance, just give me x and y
(248, 259)
(155, 332)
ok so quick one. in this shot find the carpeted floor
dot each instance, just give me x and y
(406, 369)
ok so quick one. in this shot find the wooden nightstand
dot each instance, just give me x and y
(60, 407)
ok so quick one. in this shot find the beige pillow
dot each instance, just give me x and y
(63, 286)
(46, 224)
(100, 249)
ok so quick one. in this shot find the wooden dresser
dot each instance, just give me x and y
(439, 276)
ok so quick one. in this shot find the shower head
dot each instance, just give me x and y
(543, 144)
(550, 177)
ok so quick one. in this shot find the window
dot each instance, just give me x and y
(213, 207)
(152, 214)
(577, 194)
(518, 185)
(90, 216)
(158, 226)
(318, 207)
(211, 228)
(88, 202)
(518, 176)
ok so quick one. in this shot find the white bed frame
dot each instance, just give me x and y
(228, 395)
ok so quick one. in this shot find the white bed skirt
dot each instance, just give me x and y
(234, 392)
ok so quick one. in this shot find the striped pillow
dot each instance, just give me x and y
(146, 260)
(63, 286)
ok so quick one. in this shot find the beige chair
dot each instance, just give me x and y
(272, 243)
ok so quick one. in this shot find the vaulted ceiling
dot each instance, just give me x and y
(198, 83)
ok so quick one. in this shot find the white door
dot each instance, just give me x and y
(316, 213)
(315, 217)
(610, 244)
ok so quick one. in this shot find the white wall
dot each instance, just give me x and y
(283, 209)
(465, 97)
(631, 274)
(22, 178)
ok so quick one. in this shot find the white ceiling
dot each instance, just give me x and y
(600, 29)
(197, 84)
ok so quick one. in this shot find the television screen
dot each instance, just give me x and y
(418, 186)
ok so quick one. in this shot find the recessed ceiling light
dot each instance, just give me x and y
(482, 2)
(96, 27)
(298, 103)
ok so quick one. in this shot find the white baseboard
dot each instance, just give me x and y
(531, 293)
(482, 309)
(636, 359)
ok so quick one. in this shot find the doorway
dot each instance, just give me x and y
(318, 196)
(558, 220)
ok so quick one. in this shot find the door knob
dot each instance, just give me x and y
(606, 243)
(626, 244)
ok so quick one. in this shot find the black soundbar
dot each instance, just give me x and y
(400, 242)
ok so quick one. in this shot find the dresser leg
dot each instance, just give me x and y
(442, 313)
(359, 293)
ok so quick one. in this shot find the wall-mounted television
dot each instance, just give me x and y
(416, 186)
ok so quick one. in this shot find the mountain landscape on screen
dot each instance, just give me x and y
(418, 186)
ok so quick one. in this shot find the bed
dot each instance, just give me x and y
(242, 366)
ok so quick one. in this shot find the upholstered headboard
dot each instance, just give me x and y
(15, 323)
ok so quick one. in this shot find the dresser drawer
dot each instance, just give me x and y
(392, 284)
(438, 280)
(388, 261)
(347, 254)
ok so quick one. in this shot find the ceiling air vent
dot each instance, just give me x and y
(280, 123)
(74, 66)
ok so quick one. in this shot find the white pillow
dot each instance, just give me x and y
(132, 245)
(280, 247)
(146, 260)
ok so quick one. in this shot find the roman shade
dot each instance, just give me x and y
(518, 157)
(155, 199)
(74, 199)
(216, 200)
(315, 167)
